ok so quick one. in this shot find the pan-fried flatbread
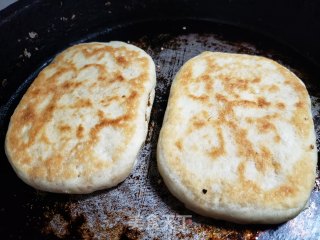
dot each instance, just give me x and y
(237, 141)
(81, 123)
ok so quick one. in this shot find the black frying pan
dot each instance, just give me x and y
(33, 32)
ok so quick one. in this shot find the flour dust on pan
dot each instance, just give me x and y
(142, 207)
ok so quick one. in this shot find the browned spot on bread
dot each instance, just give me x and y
(25, 160)
(277, 138)
(35, 92)
(179, 145)
(64, 128)
(220, 149)
(256, 80)
(205, 78)
(37, 171)
(208, 86)
(28, 114)
(311, 146)
(50, 108)
(262, 103)
(299, 105)
(271, 116)
(82, 103)
(122, 60)
(198, 124)
(186, 75)
(240, 170)
(265, 126)
(131, 99)
(243, 103)
(102, 78)
(100, 115)
(80, 130)
(273, 88)
(104, 122)
(44, 138)
(201, 98)
(70, 85)
(240, 84)
(281, 105)
(264, 161)
(221, 98)
(89, 52)
(284, 191)
(276, 166)
(119, 78)
(250, 120)
(287, 82)
(108, 100)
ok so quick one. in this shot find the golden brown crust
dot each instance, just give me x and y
(60, 120)
(239, 105)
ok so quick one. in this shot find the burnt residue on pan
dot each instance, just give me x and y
(142, 207)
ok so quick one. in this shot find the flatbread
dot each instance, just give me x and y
(83, 120)
(238, 141)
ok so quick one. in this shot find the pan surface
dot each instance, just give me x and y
(141, 207)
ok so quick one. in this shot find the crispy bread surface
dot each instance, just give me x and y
(238, 141)
(81, 123)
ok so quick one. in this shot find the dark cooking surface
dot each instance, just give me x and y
(141, 207)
